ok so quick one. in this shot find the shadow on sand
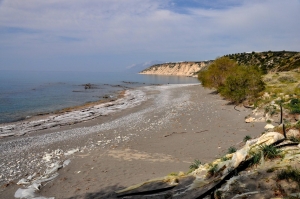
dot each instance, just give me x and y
(214, 93)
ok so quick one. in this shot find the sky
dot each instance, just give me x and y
(110, 35)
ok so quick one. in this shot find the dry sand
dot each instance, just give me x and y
(164, 134)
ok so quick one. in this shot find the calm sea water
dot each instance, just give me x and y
(27, 93)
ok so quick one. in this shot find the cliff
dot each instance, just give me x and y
(268, 61)
(177, 68)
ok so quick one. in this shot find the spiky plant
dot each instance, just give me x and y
(231, 149)
(294, 139)
(195, 165)
(224, 158)
(246, 138)
(289, 174)
(213, 170)
(270, 151)
(255, 158)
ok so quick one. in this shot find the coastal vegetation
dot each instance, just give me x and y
(270, 151)
(290, 174)
(265, 80)
(231, 149)
(235, 82)
(270, 61)
(212, 170)
(195, 165)
(256, 156)
(246, 138)
(282, 90)
(272, 90)
(270, 81)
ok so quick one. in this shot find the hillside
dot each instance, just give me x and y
(264, 167)
(179, 68)
(269, 61)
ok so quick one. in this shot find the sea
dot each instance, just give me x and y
(24, 94)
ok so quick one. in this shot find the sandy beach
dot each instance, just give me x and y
(164, 131)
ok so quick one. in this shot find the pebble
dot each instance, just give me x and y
(165, 107)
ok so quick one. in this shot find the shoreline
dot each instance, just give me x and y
(66, 116)
(165, 133)
(174, 75)
(120, 94)
(37, 116)
(54, 92)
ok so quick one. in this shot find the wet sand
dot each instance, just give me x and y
(163, 134)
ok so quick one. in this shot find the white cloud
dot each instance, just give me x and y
(153, 27)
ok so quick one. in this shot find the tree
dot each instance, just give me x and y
(217, 72)
(244, 84)
(234, 82)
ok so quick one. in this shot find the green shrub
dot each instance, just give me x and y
(234, 88)
(289, 174)
(270, 151)
(244, 83)
(216, 73)
(294, 139)
(294, 106)
(234, 82)
(294, 102)
(224, 158)
(246, 138)
(195, 165)
(231, 149)
(213, 170)
(255, 158)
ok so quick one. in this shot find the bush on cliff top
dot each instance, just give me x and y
(235, 83)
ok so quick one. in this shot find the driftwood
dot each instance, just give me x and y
(281, 121)
(281, 113)
(236, 109)
(246, 106)
(174, 133)
(284, 131)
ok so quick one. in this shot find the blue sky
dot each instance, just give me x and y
(110, 35)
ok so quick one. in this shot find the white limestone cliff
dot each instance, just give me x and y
(179, 68)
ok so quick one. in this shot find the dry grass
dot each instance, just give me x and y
(281, 84)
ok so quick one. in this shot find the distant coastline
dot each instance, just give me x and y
(188, 69)
(28, 94)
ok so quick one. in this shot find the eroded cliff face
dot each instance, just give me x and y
(179, 68)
